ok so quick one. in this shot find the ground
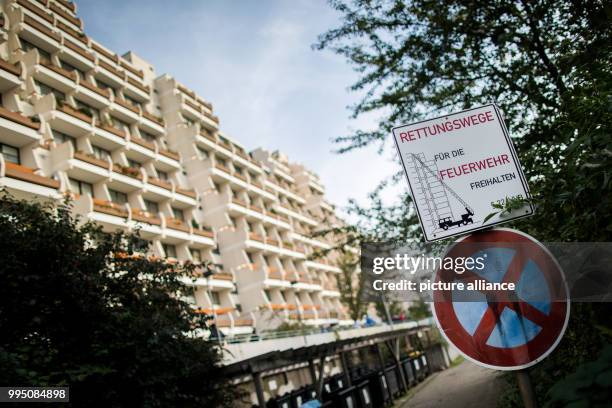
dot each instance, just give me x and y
(465, 385)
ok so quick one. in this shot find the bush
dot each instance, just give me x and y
(79, 308)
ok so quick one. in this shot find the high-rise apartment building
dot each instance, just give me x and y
(138, 150)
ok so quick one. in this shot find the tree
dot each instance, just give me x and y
(82, 308)
(546, 63)
(351, 286)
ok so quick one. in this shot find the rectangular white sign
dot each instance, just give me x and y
(457, 165)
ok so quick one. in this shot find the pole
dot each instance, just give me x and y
(526, 388)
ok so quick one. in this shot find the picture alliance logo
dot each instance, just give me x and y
(412, 264)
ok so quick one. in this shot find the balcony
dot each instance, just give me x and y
(91, 159)
(105, 93)
(144, 143)
(78, 35)
(155, 119)
(36, 10)
(176, 224)
(65, 15)
(9, 75)
(204, 232)
(27, 174)
(145, 217)
(77, 114)
(160, 183)
(169, 154)
(132, 172)
(50, 37)
(77, 53)
(109, 208)
(16, 129)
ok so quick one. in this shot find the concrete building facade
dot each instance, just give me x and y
(137, 150)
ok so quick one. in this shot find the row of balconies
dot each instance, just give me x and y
(132, 217)
(35, 23)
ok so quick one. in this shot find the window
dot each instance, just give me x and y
(117, 196)
(178, 214)
(61, 138)
(119, 124)
(10, 153)
(249, 226)
(169, 250)
(87, 109)
(151, 206)
(45, 56)
(203, 152)
(100, 153)
(215, 298)
(46, 89)
(131, 101)
(196, 255)
(147, 136)
(162, 175)
(250, 257)
(222, 162)
(70, 67)
(134, 164)
(268, 295)
(103, 85)
(238, 169)
(216, 250)
(80, 187)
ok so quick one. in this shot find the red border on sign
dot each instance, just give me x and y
(552, 324)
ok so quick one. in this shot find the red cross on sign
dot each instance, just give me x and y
(503, 329)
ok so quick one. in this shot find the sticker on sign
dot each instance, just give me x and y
(457, 166)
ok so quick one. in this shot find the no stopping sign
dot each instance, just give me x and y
(504, 330)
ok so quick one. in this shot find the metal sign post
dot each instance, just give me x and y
(526, 389)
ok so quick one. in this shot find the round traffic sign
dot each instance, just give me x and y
(503, 329)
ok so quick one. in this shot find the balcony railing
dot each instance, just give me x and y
(130, 68)
(111, 129)
(170, 154)
(127, 105)
(88, 158)
(36, 10)
(133, 172)
(79, 50)
(176, 224)
(65, 73)
(153, 118)
(108, 207)
(145, 216)
(160, 183)
(103, 92)
(74, 33)
(18, 118)
(13, 69)
(203, 232)
(41, 27)
(69, 110)
(241, 322)
(186, 192)
(143, 142)
(111, 69)
(137, 84)
(60, 12)
(28, 174)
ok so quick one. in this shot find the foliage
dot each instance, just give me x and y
(419, 310)
(546, 63)
(590, 385)
(82, 308)
(351, 286)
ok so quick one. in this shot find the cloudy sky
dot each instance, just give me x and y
(253, 60)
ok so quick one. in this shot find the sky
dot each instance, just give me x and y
(254, 61)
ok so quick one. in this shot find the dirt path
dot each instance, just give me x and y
(466, 385)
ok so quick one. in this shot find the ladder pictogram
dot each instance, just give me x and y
(434, 198)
